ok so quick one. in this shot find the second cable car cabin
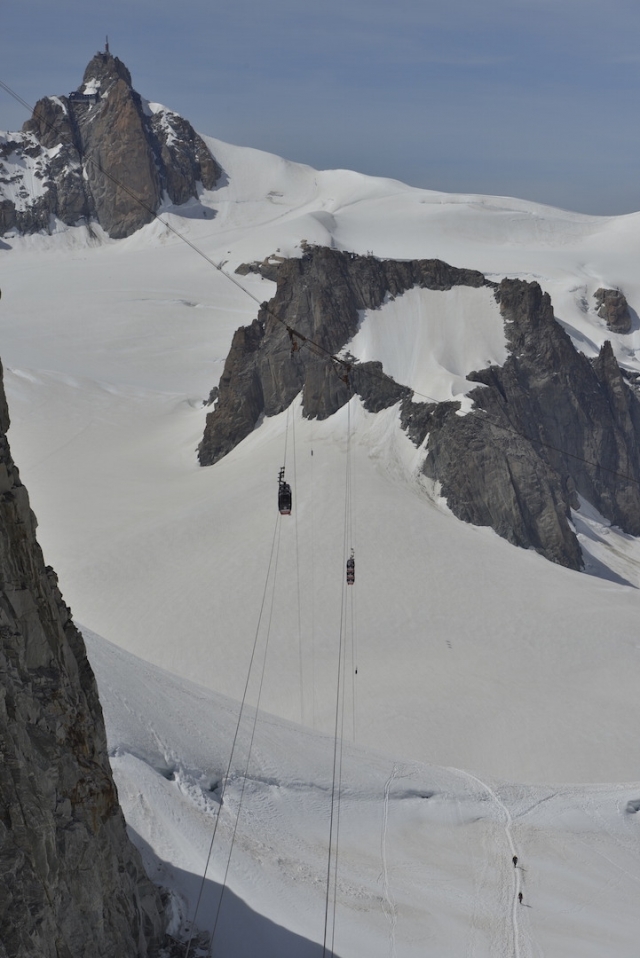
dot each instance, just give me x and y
(351, 569)
(284, 495)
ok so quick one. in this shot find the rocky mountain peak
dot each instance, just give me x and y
(104, 69)
(99, 154)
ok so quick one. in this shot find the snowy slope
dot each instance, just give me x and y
(111, 349)
(471, 654)
(425, 862)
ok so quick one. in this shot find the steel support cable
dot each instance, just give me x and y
(235, 738)
(276, 542)
(313, 593)
(295, 523)
(352, 593)
(336, 777)
(346, 593)
(293, 332)
(250, 748)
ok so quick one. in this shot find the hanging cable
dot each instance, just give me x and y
(272, 561)
(312, 485)
(338, 739)
(235, 738)
(346, 593)
(249, 749)
(295, 521)
(334, 778)
(352, 592)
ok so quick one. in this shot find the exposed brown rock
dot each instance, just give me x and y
(547, 425)
(612, 306)
(320, 294)
(119, 162)
(103, 156)
(71, 883)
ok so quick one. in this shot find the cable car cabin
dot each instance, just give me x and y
(284, 495)
(284, 499)
(351, 569)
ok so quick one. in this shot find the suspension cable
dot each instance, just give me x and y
(235, 738)
(352, 592)
(344, 628)
(295, 524)
(338, 737)
(313, 595)
(250, 748)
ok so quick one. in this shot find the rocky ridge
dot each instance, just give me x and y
(547, 427)
(101, 153)
(320, 295)
(72, 884)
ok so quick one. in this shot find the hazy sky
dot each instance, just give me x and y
(531, 98)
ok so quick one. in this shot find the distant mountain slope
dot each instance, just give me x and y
(102, 153)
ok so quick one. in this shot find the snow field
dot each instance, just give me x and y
(432, 339)
(425, 852)
(478, 664)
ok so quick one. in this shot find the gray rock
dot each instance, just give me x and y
(546, 426)
(320, 295)
(109, 160)
(71, 883)
(118, 160)
(183, 157)
(612, 306)
(7, 216)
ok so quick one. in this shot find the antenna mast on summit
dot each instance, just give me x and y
(106, 46)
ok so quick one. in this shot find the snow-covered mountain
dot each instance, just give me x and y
(101, 154)
(478, 663)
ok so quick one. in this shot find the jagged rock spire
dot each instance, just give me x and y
(111, 158)
(106, 69)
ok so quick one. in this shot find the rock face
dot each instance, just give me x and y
(612, 306)
(71, 883)
(320, 294)
(547, 426)
(101, 153)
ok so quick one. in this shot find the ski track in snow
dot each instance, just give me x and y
(389, 906)
(513, 948)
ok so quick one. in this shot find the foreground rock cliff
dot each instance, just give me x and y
(547, 427)
(71, 883)
(101, 153)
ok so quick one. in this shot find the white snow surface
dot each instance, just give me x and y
(425, 852)
(430, 340)
(471, 654)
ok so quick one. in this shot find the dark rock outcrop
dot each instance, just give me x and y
(547, 426)
(321, 295)
(101, 154)
(612, 306)
(71, 883)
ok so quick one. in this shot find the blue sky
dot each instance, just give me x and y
(531, 98)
